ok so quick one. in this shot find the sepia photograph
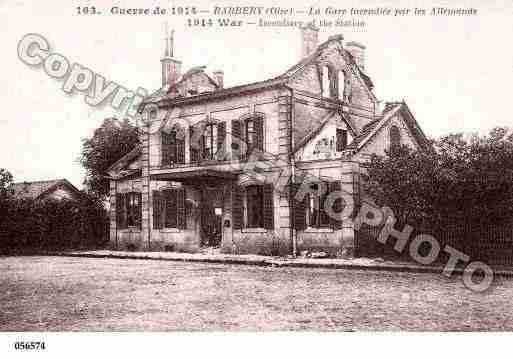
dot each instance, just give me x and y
(284, 167)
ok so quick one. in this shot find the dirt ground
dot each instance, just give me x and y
(84, 294)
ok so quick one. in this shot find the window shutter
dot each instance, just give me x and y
(170, 208)
(236, 129)
(259, 129)
(180, 207)
(165, 149)
(124, 210)
(336, 223)
(236, 139)
(193, 144)
(202, 154)
(119, 210)
(138, 210)
(238, 209)
(180, 150)
(157, 210)
(268, 206)
(299, 208)
(221, 135)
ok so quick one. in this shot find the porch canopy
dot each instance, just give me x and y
(195, 176)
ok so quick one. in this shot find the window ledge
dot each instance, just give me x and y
(254, 230)
(318, 230)
(129, 230)
(169, 230)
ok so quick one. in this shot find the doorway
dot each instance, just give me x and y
(211, 217)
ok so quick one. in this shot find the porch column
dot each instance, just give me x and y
(145, 190)
(187, 141)
(349, 176)
(113, 234)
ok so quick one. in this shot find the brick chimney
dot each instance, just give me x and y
(219, 78)
(309, 39)
(358, 51)
(171, 67)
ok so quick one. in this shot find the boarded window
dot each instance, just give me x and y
(341, 139)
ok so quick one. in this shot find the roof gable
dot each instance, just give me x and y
(331, 52)
(126, 165)
(163, 94)
(373, 128)
(333, 117)
(41, 189)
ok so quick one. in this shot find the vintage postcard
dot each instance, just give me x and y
(271, 166)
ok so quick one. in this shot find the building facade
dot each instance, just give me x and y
(221, 167)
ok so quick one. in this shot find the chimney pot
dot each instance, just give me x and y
(309, 39)
(219, 78)
(171, 67)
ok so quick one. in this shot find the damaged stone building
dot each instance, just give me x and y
(321, 117)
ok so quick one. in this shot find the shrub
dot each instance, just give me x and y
(27, 224)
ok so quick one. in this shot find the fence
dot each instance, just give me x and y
(491, 243)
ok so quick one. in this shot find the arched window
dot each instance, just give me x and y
(326, 86)
(341, 85)
(395, 138)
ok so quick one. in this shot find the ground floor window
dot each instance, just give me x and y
(169, 208)
(128, 210)
(255, 206)
(317, 216)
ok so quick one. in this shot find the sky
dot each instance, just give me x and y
(455, 73)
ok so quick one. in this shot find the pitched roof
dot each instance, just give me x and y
(372, 127)
(366, 131)
(320, 127)
(125, 160)
(38, 189)
(160, 94)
